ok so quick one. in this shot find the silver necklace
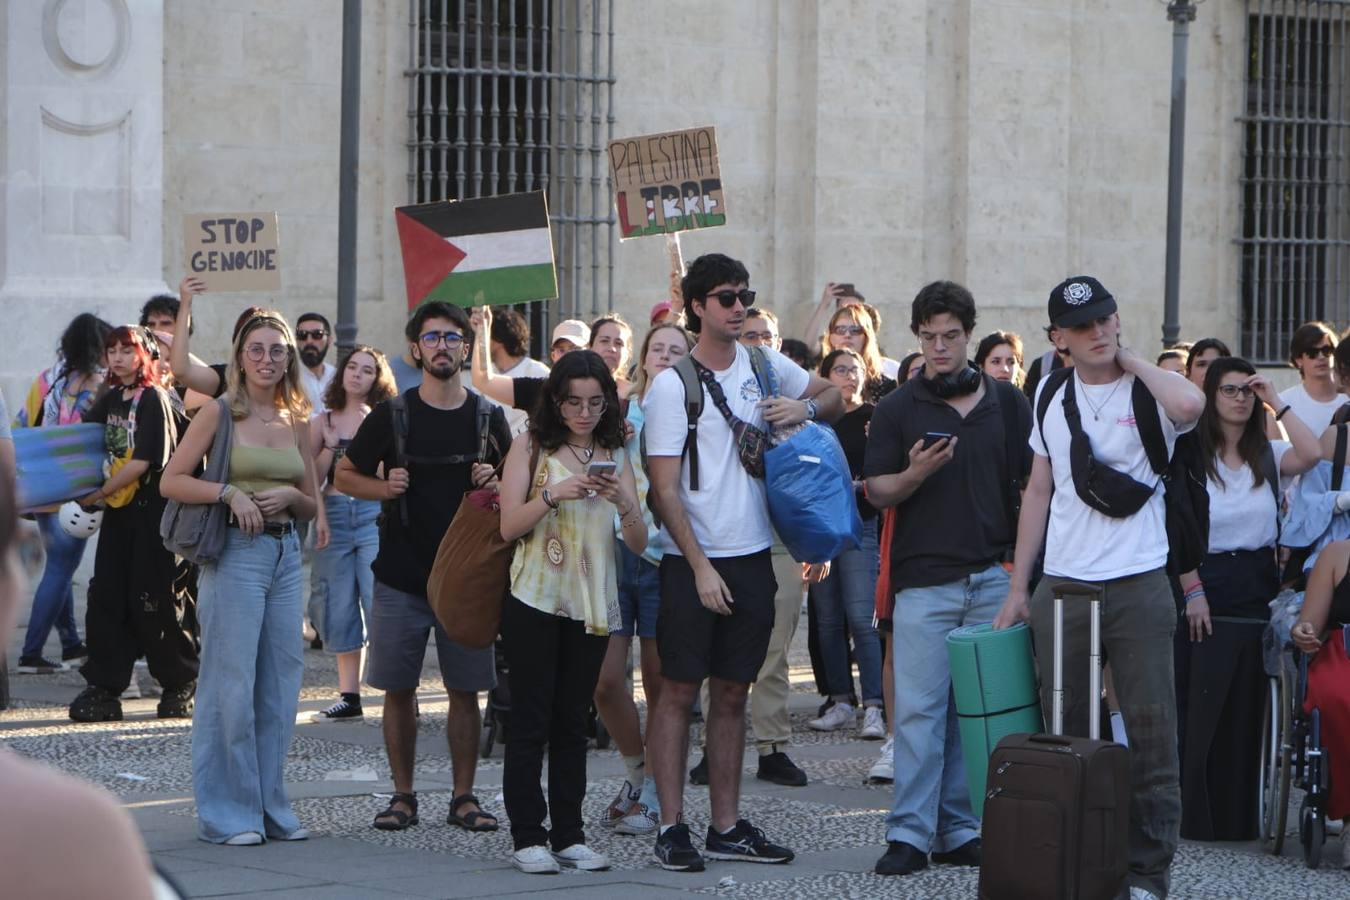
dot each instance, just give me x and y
(1097, 408)
(586, 454)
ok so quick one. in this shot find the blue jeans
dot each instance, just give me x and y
(343, 584)
(54, 600)
(932, 802)
(849, 595)
(248, 688)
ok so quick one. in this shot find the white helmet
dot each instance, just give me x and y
(79, 522)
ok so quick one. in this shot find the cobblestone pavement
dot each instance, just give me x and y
(337, 774)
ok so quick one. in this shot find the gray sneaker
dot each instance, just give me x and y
(640, 820)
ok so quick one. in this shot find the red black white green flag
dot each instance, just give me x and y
(489, 250)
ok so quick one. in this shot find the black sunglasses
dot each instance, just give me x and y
(1314, 352)
(305, 334)
(728, 298)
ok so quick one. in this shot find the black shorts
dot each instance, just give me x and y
(694, 642)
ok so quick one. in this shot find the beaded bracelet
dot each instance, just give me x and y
(1192, 594)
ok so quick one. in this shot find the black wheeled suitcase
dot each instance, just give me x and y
(1057, 808)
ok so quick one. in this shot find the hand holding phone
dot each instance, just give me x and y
(932, 437)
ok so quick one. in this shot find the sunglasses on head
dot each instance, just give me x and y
(1324, 350)
(728, 298)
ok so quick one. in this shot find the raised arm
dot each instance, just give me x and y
(487, 382)
(1181, 400)
(186, 369)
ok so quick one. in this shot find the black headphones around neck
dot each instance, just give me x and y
(965, 380)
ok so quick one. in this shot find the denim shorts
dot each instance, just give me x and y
(343, 585)
(639, 593)
(399, 626)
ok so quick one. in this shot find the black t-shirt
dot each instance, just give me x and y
(956, 523)
(219, 369)
(407, 552)
(527, 393)
(157, 428)
(1034, 373)
(852, 431)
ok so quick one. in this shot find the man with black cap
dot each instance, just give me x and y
(948, 449)
(1109, 529)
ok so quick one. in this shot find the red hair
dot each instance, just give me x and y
(134, 336)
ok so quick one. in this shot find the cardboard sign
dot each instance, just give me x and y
(666, 183)
(233, 252)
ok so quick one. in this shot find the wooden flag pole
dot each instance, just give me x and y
(676, 257)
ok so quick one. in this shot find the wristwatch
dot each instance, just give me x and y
(810, 409)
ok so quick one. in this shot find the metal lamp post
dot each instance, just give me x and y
(1180, 13)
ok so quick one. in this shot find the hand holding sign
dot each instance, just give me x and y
(233, 251)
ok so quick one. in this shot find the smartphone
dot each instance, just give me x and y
(607, 467)
(932, 437)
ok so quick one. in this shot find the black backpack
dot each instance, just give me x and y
(398, 409)
(1183, 475)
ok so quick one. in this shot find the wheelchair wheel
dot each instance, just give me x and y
(1268, 790)
(1312, 832)
(1281, 766)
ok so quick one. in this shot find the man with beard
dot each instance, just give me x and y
(313, 335)
(427, 441)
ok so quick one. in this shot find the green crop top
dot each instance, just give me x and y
(255, 469)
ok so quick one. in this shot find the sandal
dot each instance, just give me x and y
(393, 819)
(474, 819)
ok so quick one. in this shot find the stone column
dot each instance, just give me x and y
(81, 168)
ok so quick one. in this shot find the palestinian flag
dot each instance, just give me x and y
(489, 250)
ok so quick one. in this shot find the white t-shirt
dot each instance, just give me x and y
(1316, 414)
(890, 368)
(729, 513)
(316, 387)
(518, 419)
(1242, 516)
(1081, 542)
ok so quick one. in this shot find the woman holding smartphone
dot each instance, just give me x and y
(563, 481)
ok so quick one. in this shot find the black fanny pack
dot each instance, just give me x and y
(1101, 487)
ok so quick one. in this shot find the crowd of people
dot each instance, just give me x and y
(632, 487)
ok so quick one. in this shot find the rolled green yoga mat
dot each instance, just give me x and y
(994, 683)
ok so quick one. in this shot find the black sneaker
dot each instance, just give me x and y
(746, 843)
(901, 859)
(37, 665)
(177, 703)
(341, 711)
(968, 854)
(699, 773)
(776, 767)
(675, 851)
(78, 652)
(96, 704)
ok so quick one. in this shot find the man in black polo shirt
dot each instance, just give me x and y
(938, 449)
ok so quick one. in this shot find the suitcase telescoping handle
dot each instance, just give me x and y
(1093, 594)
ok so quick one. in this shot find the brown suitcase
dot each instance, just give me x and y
(1057, 808)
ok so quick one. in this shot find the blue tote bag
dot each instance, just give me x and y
(810, 488)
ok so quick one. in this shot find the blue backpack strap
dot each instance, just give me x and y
(765, 373)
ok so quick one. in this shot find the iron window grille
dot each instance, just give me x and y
(516, 95)
(1295, 241)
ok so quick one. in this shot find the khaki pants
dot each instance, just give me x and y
(769, 693)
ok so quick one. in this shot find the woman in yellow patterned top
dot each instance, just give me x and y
(563, 481)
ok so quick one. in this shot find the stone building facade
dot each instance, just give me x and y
(1000, 143)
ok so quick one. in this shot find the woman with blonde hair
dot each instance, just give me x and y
(249, 599)
(636, 809)
(344, 585)
(851, 328)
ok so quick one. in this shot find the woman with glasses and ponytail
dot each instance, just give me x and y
(564, 481)
(1220, 671)
(250, 600)
(140, 597)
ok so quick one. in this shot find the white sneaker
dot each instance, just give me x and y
(579, 856)
(244, 839)
(133, 692)
(884, 768)
(874, 726)
(535, 860)
(1138, 893)
(640, 820)
(840, 715)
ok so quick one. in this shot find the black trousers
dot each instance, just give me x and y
(142, 601)
(553, 666)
